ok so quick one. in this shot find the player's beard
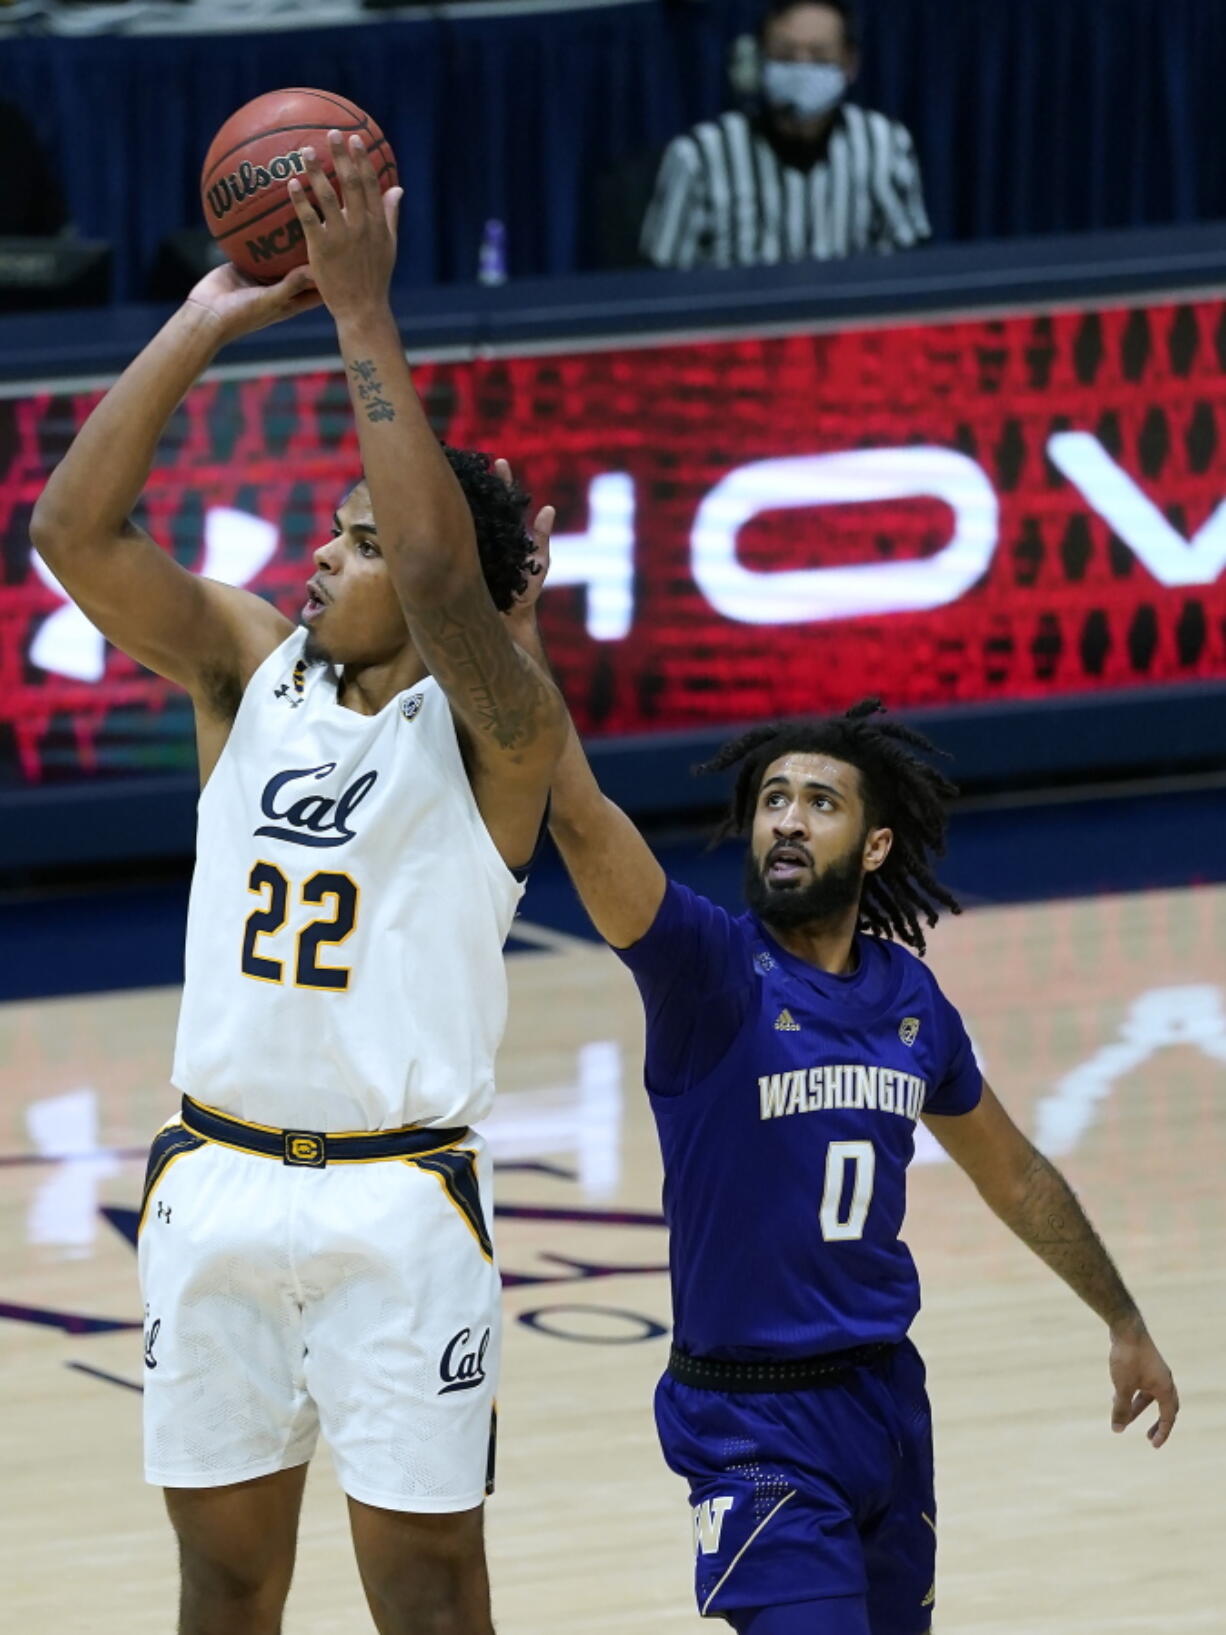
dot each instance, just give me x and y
(828, 896)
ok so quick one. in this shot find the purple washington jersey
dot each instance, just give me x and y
(786, 1101)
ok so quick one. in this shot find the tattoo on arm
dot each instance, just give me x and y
(1048, 1218)
(495, 687)
(369, 389)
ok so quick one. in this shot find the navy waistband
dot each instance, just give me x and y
(777, 1374)
(315, 1149)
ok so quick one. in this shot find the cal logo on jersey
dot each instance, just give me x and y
(311, 819)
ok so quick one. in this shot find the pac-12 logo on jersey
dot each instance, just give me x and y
(312, 820)
(709, 1524)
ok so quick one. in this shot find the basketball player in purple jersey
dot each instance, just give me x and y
(790, 1052)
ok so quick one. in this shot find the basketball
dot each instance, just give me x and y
(255, 153)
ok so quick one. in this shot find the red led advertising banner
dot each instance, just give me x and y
(935, 513)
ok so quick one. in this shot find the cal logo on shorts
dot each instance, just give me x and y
(304, 1148)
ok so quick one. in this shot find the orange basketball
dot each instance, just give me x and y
(251, 159)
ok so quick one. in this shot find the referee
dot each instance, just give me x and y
(811, 177)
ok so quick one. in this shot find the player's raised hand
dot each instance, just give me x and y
(350, 235)
(241, 306)
(537, 566)
(1141, 1377)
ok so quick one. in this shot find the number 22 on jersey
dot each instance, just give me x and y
(325, 889)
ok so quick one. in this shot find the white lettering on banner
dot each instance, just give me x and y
(602, 559)
(64, 1210)
(1111, 492)
(237, 546)
(860, 477)
(66, 643)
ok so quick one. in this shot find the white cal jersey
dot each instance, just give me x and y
(348, 910)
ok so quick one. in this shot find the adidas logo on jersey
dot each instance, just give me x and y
(784, 1023)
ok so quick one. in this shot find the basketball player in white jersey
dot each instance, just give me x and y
(314, 1244)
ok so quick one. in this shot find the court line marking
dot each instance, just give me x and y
(543, 936)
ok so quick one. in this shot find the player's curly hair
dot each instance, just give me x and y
(901, 792)
(504, 543)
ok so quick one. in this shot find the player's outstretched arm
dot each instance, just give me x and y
(1034, 1200)
(513, 715)
(205, 636)
(614, 870)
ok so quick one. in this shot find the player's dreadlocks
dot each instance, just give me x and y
(901, 792)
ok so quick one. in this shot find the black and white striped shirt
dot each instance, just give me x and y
(725, 198)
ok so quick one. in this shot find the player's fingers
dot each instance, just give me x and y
(304, 209)
(391, 208)
(1168, 1412)
(502, 469)
(353, 199)
(326, 200)
(1122, 1410)
(542, 528)
(364, 173)
(298, 290)
(305, 300)
(297, 280)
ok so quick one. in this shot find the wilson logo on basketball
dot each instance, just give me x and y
(249, 179)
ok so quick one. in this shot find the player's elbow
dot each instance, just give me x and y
(578, 820)
(51, 528)
(45, 522)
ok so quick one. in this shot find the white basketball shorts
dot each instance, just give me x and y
(282, 1298)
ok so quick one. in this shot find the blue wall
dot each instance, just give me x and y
(1052, 115)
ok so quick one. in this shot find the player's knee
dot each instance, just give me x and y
(430, 1600)
(430, 1593)
(423, 1574)
(237, 1597)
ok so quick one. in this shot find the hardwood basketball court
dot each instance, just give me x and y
(1101, 1022)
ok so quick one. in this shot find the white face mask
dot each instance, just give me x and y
(805, 89)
